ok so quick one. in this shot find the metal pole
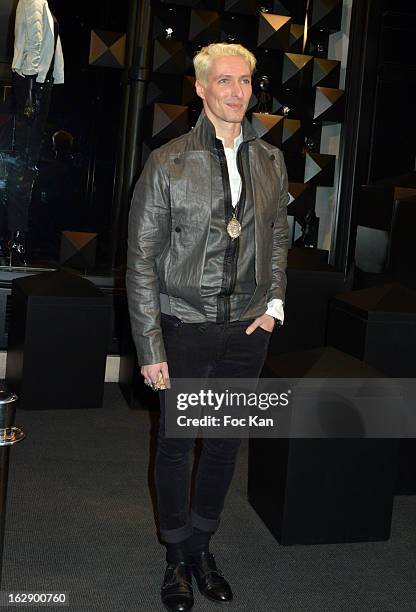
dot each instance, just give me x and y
(8, 435)
(121, 149)
(129, 157)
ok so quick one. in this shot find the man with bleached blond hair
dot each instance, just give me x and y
(206, 282)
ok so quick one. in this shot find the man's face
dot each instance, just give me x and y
(228, 90)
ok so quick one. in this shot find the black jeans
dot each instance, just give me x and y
(201, 350)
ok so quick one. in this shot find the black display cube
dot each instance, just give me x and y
(308, 274)
(378, 325)
(59, 335)
(316, 491)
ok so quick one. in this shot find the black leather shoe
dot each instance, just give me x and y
(177, 595)
(210, 580)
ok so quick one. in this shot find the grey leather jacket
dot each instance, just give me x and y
(169, 227)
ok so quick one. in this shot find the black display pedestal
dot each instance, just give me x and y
(402, 253)
(311, 491)
(378, 325)
(59, 335)
(312, 281)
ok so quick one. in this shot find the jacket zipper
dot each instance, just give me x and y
(232, 250)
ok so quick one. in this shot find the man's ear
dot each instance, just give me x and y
(200, 90)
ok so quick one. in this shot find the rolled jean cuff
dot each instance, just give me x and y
(204, 524)
(174, 536)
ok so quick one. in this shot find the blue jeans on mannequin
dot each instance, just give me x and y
(201, 350)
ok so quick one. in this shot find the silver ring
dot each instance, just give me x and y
(150, 384)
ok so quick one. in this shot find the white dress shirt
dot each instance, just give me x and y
(34, 42)
(275, 306)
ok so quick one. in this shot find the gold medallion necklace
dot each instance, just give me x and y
(234, 226)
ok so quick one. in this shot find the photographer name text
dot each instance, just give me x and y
(225, 420)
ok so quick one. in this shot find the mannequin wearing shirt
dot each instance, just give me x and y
(37, 65)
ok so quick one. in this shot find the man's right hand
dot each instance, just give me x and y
(156, 374)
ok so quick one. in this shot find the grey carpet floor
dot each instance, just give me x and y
(80, 519)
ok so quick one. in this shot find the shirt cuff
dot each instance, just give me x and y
(275, 309)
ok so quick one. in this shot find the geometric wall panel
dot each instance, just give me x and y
(306, 229)
(295, 87)
(153, 92)
(169, 57)
(329, 105)
(297, 70)
(274, 31)
(325, 72)
(295, 164)
(212, 4)
(259, 104)
(310, 167)
(164, 88)
(296, 37)
(107, 49)
(294, 102)
(146, 150)
(301, 199)
(252, 104)
(78, 249)
(270, 63)
(296, 191)
(281, 8)
(243, 7)
(169, 120)
(235, 29)
(326, 15)
(168, 25)
(268, 127)
(319, 168)
(204, 26)
(188, 89)
(292, 135)
(191, 3)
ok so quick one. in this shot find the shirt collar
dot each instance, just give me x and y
(237, 141)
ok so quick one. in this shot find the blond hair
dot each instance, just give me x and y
(203, 59)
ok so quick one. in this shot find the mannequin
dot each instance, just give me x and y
(37, 65)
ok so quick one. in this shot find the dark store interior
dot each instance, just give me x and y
(333, 90)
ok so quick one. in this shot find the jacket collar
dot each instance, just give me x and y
(206, 132)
